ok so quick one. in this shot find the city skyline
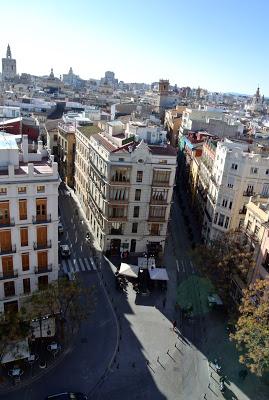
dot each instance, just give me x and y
(198, 45)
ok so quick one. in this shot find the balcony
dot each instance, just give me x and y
(160, 183)
(156, 218)
(43, 245)
(43, 270)
(8, 250)
(9, 275)
(158, 201)
(116, 219)
(120, 201)
(7, 222)
(41, 219)
(114, 182)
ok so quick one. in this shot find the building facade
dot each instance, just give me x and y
(239, 171)
(28, 220)
(66, 152)
(129, 191)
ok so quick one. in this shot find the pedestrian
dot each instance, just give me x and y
(164, 302)
(174, 325)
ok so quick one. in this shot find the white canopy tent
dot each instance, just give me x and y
(129, 270)
(17, 351)
(158, 274)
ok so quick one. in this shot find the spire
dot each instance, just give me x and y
(8, 52)
(70, 71)
(258, 92)
(51, 74)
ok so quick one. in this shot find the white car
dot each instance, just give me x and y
(65, 251)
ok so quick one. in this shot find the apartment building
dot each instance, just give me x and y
(28, 219)
(129, 190)
(66, 151)
(238, 171)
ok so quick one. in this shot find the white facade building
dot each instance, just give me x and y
(239, 171)
(126, 188)
(28, 219)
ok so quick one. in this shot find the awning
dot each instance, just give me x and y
(47, 327)
(158, 274)
(16, 351)
(129, 270)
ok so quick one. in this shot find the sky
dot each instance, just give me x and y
(218, 45)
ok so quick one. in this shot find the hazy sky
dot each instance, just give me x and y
(218, 45)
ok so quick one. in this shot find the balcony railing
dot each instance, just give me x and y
(156, 218)
(10, 293)
(43, 245)
(9, 274)
(160, 183)
(7, 222)
(158, 201)
(41, 219)
(8, 250)
(43, 270)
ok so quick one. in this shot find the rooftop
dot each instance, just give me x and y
(89, 130)
(7, 141)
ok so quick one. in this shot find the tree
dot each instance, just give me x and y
(224, 258)
(252, 328)
(67, 301)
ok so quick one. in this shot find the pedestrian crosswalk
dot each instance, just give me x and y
(78, 265)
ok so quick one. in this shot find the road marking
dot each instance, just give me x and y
(93, 263)
(81, 264)
(70, 265)
(87, 264)
(177, 266)
(76, 266)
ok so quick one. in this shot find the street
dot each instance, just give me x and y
(128, 349)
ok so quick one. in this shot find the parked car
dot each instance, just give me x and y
(60, 228)
(67, 396)
(65, 250)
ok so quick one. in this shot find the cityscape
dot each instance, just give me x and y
(134, 226)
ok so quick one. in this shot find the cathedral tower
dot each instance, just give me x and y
(8, 66)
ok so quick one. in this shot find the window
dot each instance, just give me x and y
(163, 162)
(117, 212)
(230, 205)
(9, 288)
(226, 222)
(23, 209)
(234, 166)
(3, 191)
(40, 189)
(216, 218)
(120, 175)
(21, 189)
(221, 220)
(116, 228)
(256, 230)
(134, 227)
(249, 225)
(267, 172)
(137, 194)
(26, 286)
(224, 203)
(159, 195)
(139, 176)
(24, 236)
(161, 177)
(41, 209)
(253, 170)
(42, 260)
(136, 212)
(157, 212)
(5, 240)
(43, 282)
(265, 190)
(4, 212)
(25, 262)
(121, 159)
(7, 266)
(249, 190)
(155, 229)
